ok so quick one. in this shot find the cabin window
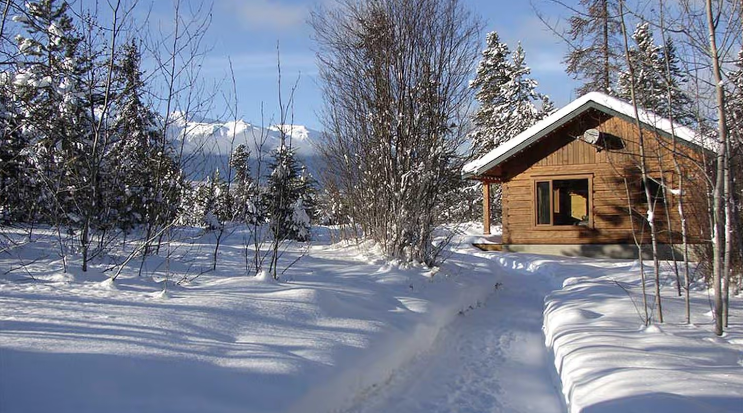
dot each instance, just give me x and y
(543, 203)
(657, 195)
(562, 202)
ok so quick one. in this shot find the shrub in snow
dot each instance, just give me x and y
(209, 204)
(285, 199)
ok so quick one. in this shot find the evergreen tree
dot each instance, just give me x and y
(53, 115)
(521, 93)
(647, 62)
(142, 171)
(735, 97)
(681, 105)
(308, 193)
(493, 72)
(15, 175)
(595, 55)
(506, 95)
(208, 205)
(245, 197)
(284, 195)
(735, 124)
(652, 79)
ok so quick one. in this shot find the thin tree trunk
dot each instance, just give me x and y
(718, 209)
(4, 16)
(643, 169)
(607, 63)
(669, 222)
(215, 254)
(646, 318)
(681, 176)
(98, 132)
(727, 257)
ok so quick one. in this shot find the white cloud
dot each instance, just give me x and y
(262, 64)
(268, 14)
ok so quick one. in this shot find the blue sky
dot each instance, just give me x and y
(247, 32)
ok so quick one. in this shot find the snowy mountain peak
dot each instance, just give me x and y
(298, 132)
(215, 140)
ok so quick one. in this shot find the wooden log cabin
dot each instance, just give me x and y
(570, 182)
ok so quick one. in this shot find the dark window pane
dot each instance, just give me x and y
(543, 203)
(657, 195)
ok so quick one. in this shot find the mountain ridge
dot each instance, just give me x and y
(207, 144)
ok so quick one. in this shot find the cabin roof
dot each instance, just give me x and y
(592, 100)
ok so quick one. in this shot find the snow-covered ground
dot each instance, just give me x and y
(491, 359)
(610, 362)
(348, 331)
(340, 322)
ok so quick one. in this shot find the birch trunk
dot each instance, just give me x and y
(643, 170)
(718, 209)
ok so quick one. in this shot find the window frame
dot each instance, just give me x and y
(551, 226)
(659, 198)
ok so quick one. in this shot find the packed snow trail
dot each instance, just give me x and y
(492, 359)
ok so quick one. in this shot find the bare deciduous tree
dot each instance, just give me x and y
(395, 80)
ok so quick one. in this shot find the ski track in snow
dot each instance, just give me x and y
(491, 359)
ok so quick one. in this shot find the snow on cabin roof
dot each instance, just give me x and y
(592, 100)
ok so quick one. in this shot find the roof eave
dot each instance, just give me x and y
(562, 120)
(533, 138)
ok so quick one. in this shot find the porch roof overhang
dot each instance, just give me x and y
(478, 168)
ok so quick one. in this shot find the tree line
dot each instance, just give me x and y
(83, 149)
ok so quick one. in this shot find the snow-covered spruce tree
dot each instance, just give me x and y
(395, 82)
(735, 109)
(146, 179)
(17, 191)
(654, 78)
(209, 203)
(287, 216)
(285, 197)
(493, 72)
(245, 192)
(595, 46)
(63, 96)
(309, 194)
(52, 115)
(507, 96)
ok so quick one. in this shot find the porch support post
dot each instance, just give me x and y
(486, 207)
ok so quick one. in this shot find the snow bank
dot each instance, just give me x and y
(609, 362)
